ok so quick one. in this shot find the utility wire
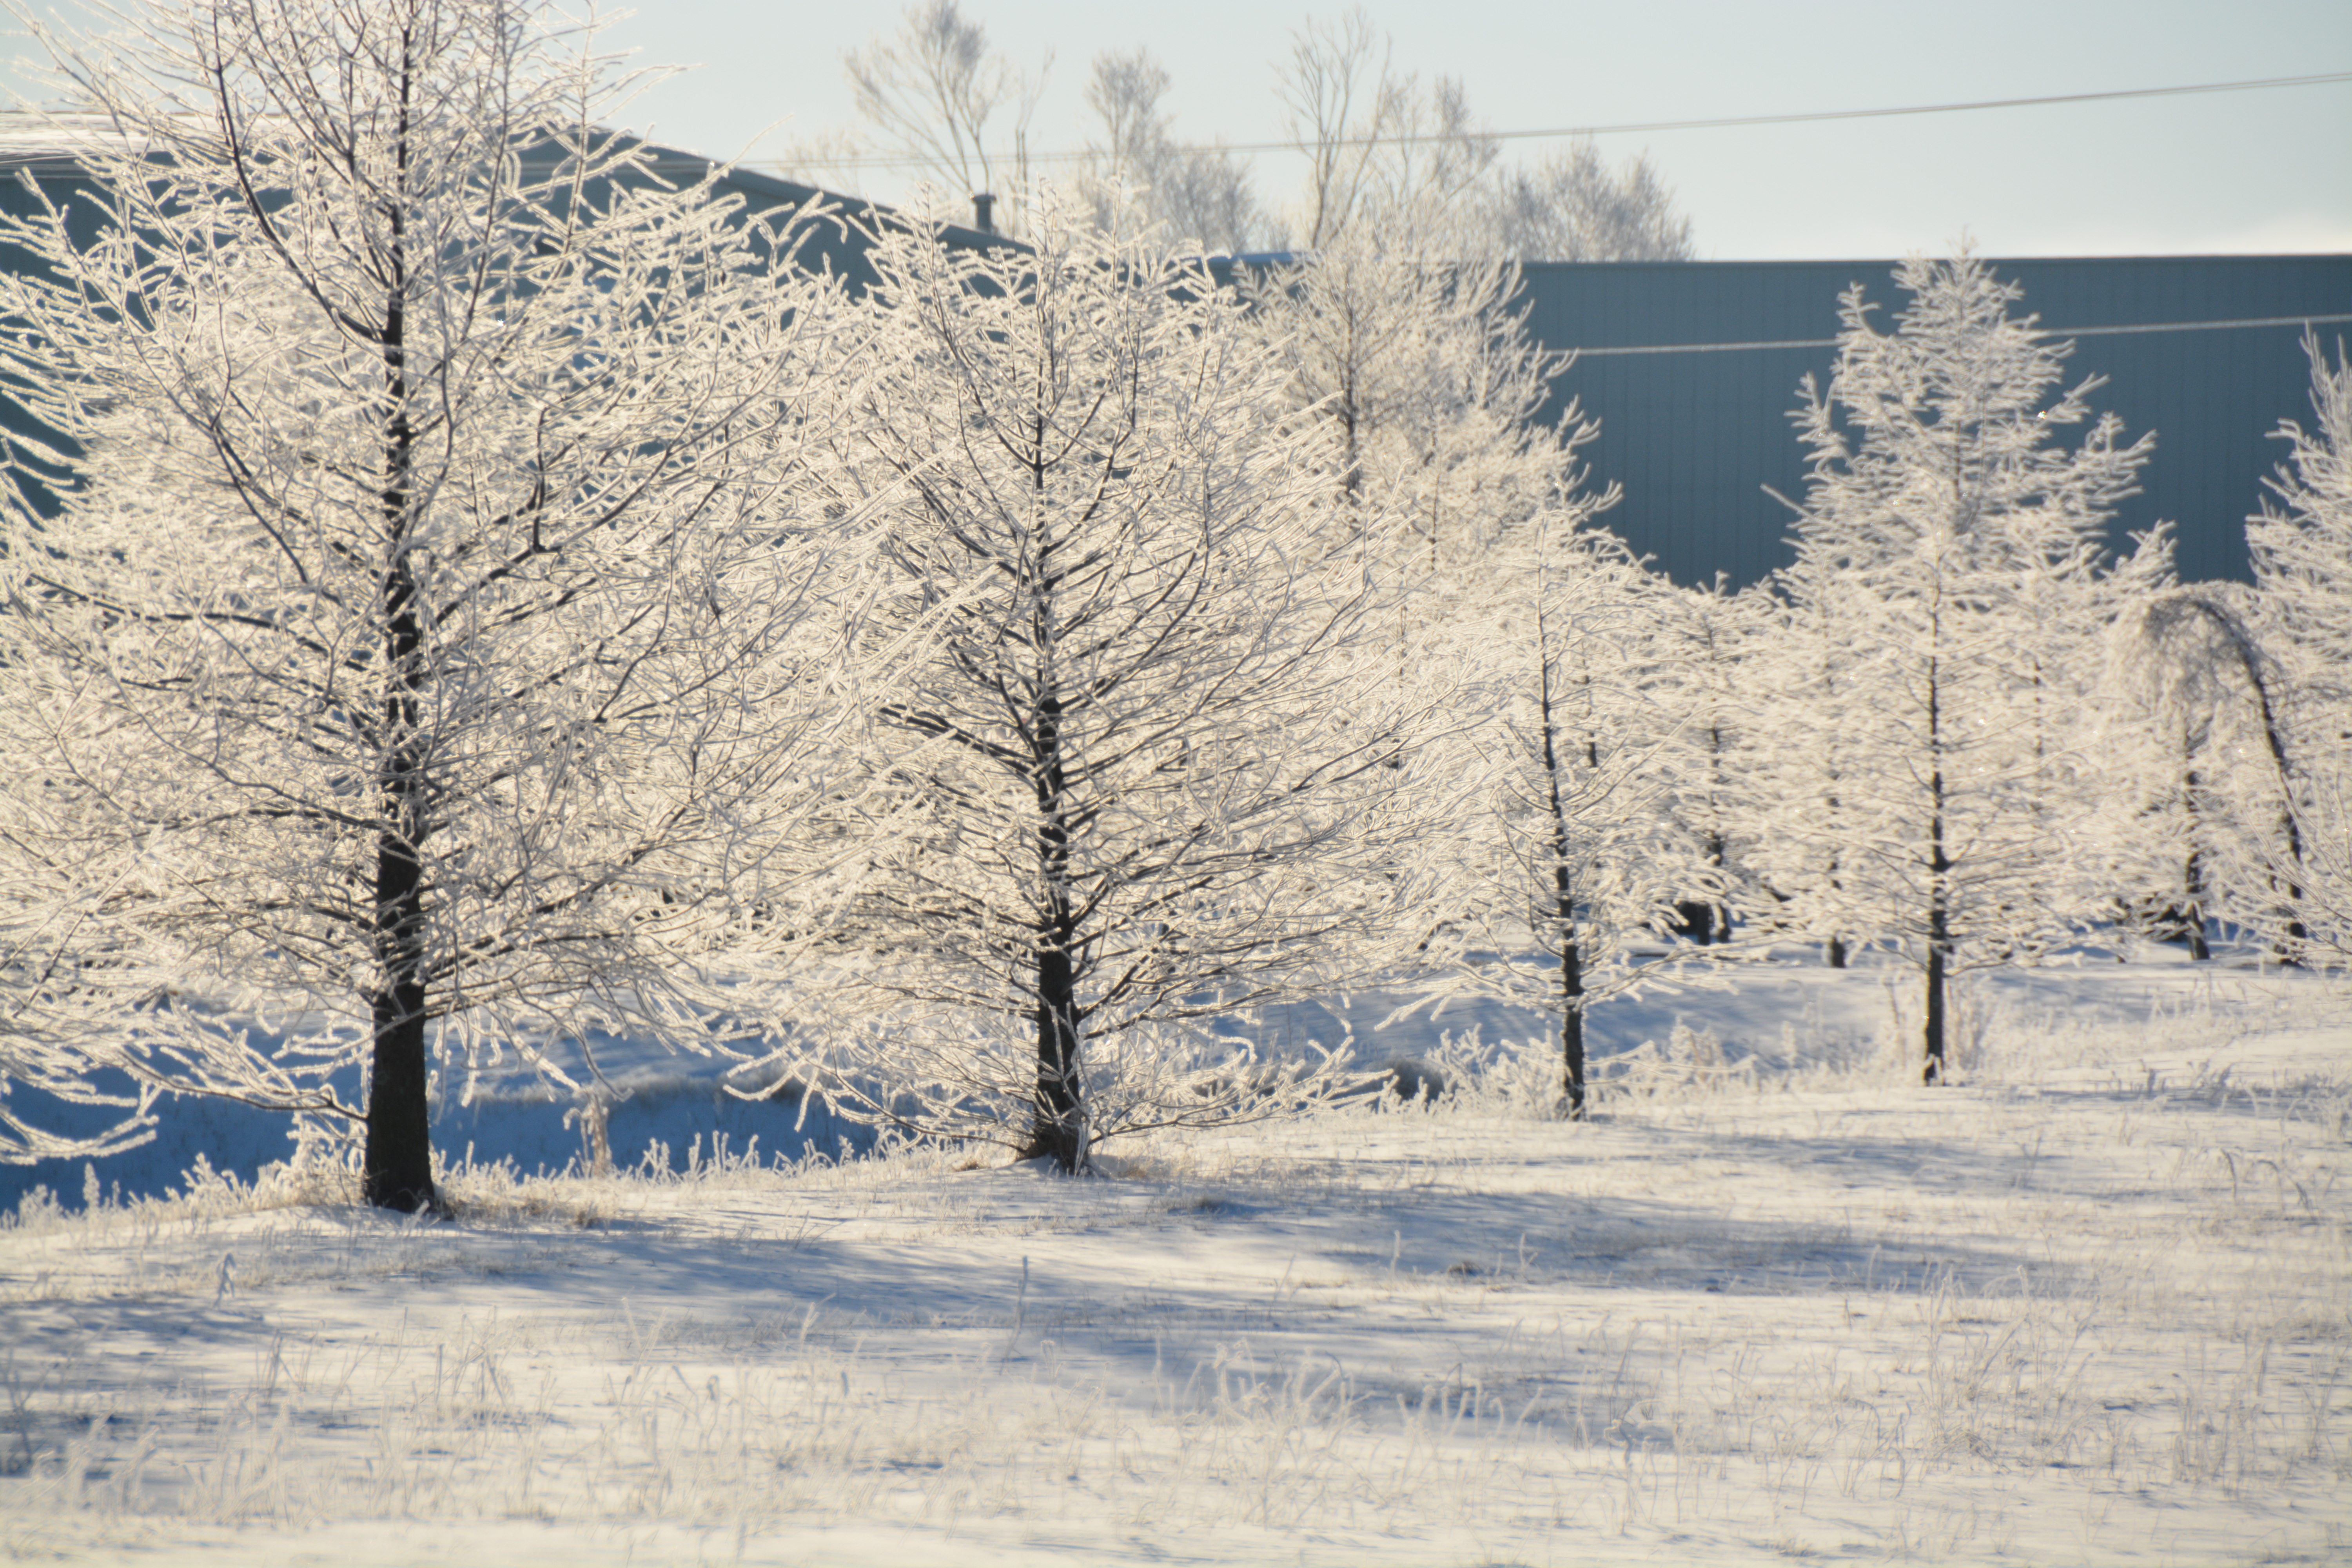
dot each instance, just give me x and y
(2051, 332)
(1636, 126)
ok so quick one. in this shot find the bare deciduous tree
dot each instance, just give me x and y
(1197, 194)
(939, 107)
(1382, 150)
(1573, 207)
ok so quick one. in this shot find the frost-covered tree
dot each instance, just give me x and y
(1571, 851)
(1470, 511)
(2302, 550)
(1159, 764)
(1951, 559)
(1707, 640)
(399, 667)
(1430, 387)
(2212, 759)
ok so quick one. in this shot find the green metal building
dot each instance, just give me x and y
(1693, 367)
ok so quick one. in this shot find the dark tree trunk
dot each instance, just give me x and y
(1572, 1027)
(1934, 1074)
(1563, 894)
(1940, 867)
(1057, 1120)
(398, 1163)
(1940, 942)
(396, 1166)
(1695, 920)
(1056, 1130)
(2192, 917)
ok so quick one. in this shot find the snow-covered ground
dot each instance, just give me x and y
(2092, 1304)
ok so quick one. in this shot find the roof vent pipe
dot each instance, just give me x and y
(983, 211)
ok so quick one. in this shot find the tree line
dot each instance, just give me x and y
(500, 599)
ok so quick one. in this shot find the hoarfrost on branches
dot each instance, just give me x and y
(1572, 854)
(1952, 572)
(1161, 759)
(397, 672)
(2302, 550)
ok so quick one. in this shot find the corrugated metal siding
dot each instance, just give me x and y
(1694, 437)
(836, 243)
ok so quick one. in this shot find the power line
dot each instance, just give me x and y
(2052, 331)
(1637, 127)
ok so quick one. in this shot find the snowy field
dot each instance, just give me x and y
(2092, 1304)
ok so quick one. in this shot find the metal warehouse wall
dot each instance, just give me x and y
(835, 244)
(1694, 437)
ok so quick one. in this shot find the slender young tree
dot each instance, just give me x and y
(2216, 776)
(1708, 639)
(390, 663)
(1160, 764)
(1470, 510)
(1572, 852)
(1955, 553)
(2302, 549)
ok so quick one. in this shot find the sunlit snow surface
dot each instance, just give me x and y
(2092, 1304)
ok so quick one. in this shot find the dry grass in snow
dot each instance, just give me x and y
(2094, 1307)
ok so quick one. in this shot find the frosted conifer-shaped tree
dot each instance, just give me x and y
(1706, 640)
(2302, 550)
(1572, 851)
(393, 675)
(1798, 674)
(1161, 763)
(1426, 380)
(1951, 554)
(1428, 391)
(2204, 706)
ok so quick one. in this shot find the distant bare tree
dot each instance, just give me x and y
(937, 102)
(1574, 208)
(1378, 146)
(1374, 141)
(1196, 194)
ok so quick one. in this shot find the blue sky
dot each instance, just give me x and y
(2227, 172)
(2230, 171)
